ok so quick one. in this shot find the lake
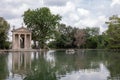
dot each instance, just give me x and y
(59, 65)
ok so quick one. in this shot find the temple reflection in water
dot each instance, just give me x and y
(21, 62)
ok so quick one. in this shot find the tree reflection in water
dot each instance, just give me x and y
(57, 65)
(62, 64)
(113, 59)
(3, 66)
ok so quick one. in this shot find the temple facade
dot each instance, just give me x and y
(21, 38)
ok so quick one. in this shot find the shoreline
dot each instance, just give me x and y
(29, 50)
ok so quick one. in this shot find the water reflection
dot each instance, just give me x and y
(42, 68)
(81, 66)
(21, 63)
(57, 65)
(3, 66)
(100, 73)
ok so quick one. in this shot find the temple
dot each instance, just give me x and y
(21, 38)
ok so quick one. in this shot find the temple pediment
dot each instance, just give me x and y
(22, 29)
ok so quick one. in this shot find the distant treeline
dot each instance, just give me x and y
(69, 37)
(88, 38)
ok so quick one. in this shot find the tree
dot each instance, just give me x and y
(94, 31)
(79, 37)
(4, 28)
(42, 23)
(113, 32)
(91, 35)
(64, 37)
(102, 41)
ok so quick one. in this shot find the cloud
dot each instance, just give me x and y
(86, 22)
(12, 10)
(83, 12)
(115, 2)
(13, 22)
(93, 22)
(68, 12)
(74, 17)
(55, 2)
(63, 10)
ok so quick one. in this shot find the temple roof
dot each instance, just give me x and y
(21, 29)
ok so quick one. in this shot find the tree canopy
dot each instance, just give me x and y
(113, 32)
(4, 28)
(42, 23)
(73, 37)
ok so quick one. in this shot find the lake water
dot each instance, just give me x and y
(59, 65)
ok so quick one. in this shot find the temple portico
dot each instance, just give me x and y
(21, 38)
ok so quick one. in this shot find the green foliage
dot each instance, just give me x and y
(64, 37)
(4, 28)
(42, 23)
(69, 37)
(92, 37)
(99, 42)
(93, 31)
(103, 41)
(113, 32)
(91, 42)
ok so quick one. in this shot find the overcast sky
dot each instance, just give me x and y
(77, 13)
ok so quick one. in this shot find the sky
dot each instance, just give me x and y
(77, 13)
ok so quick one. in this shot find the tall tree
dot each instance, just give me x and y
(91, 35)
(42, 23)
(79, 37)
(65, 36)
(4, 28)
(93, 31)
(113, 32)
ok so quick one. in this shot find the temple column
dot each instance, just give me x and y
(13, 42)
(25, 64)
(19, 60)
(30, 41)
(18, 47)
(25, 42)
